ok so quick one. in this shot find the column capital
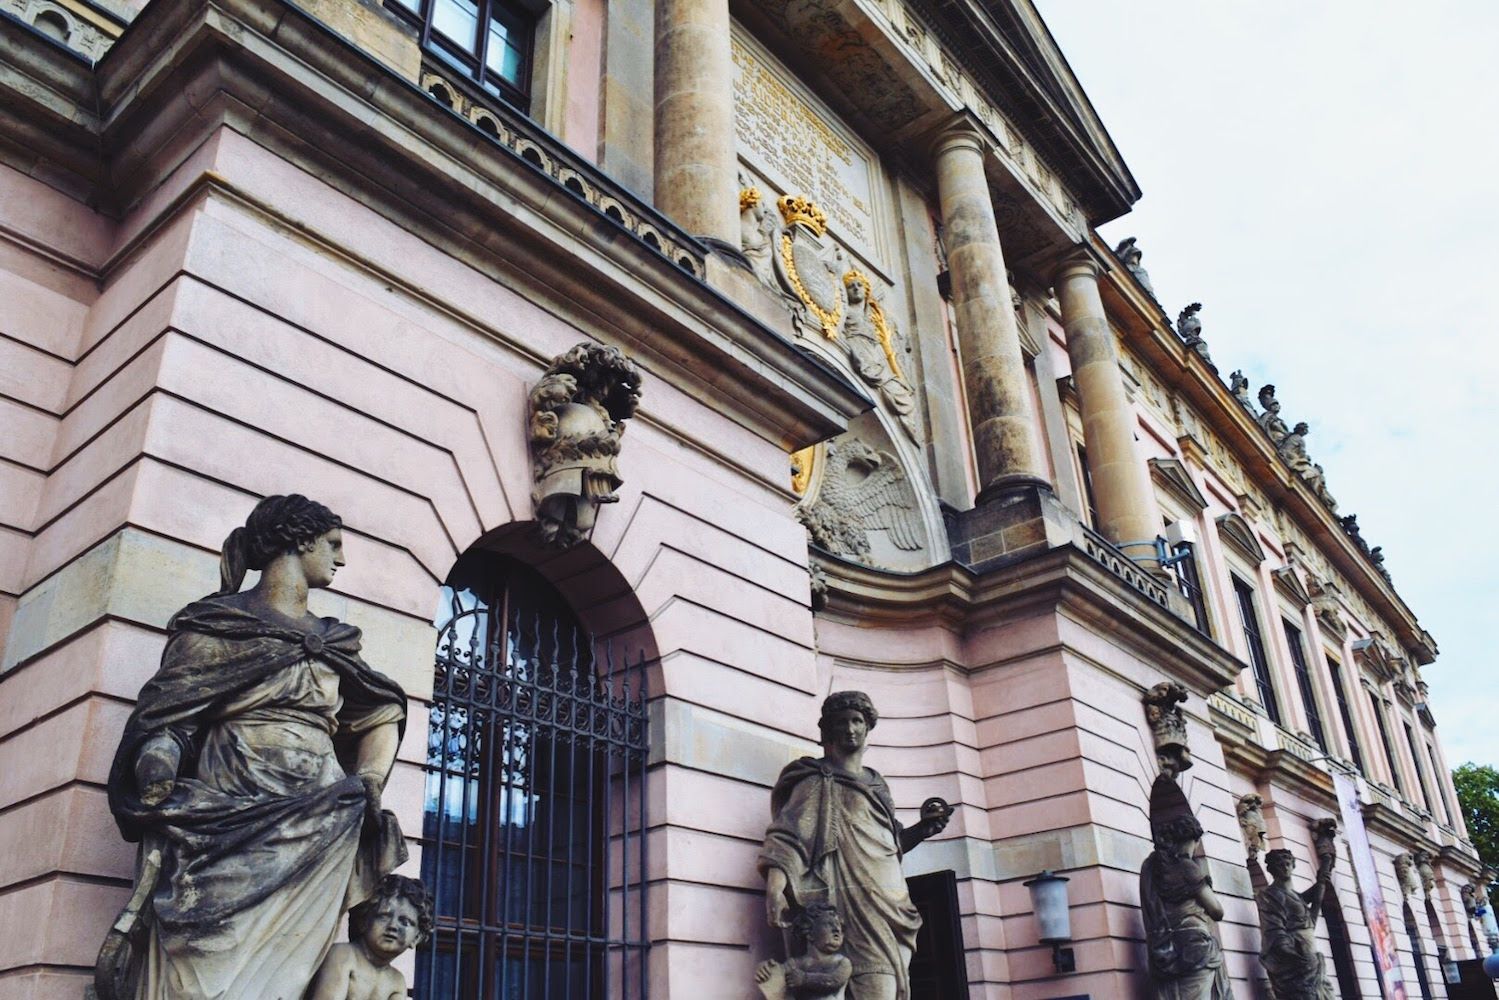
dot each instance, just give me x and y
(963, 131)
(1081, 259)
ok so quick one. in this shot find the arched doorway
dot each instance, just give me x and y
(534, 807)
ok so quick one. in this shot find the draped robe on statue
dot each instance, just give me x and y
(836, 837)
(264, 837)
(1288, 944)
(1186, 960)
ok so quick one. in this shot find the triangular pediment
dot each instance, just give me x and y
(1237, 534)
(1172, 476)
(1289, 585)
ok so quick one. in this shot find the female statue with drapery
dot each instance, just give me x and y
(251, 772)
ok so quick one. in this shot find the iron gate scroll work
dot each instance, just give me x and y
(533, 838)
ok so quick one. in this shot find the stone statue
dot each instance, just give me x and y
(1130, 254)
(1469, 893)
(251, 772)
(1270, 418)
(1189, 325)
(863, 490)
(870, 341)
(1239, 386)
(1405, 874)
(396, 918)
(1425, 873)
(834, 839)
(757, 232)
(1288, 930)
(1168, 726)
(1252, 823)
(1181, 913)
(1292, 448)
(1322, 491)
(578, 414)
(1350, 528)
(1376, 556)
(821, 971)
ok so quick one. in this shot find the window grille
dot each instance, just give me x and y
(487, 40)
(535, 809)
(1258, 663)
(1304, 683)
(1345, 711)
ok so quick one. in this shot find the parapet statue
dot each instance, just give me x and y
(757, 232)
(1189, 326)
(396, 918)
(578, 414)
(1376, 556)
(1238, 384)
(1351, 529)
(820, 970)
(1292, 448)
(1130, 255)
(1288, 929)
(250, 772)
(834, 840)
(1270, 418)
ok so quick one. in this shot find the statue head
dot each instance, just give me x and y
(856, 284)
(280, 526)
(1129, 252)
(1301, 429)
(819, 928)
(1187, 322)
(837, 708)
(397, 917)
(1267, 398)
(1177, 834)
(1237, 382)
(1280, 863)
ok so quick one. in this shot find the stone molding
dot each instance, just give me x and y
(1288, 585)
(1171, 475)
(1237, 533)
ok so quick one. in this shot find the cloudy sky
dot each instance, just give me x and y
(1324, 178)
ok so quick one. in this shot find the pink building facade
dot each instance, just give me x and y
(262, 246)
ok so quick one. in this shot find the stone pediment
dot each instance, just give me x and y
(1375, 655)
(1239, 536)
(1172, 476)
(1288, 584)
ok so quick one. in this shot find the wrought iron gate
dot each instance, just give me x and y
(533, 839)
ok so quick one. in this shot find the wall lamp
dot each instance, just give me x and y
(1049, 903)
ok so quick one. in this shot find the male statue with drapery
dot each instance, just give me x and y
(834, 840)
(251, 772)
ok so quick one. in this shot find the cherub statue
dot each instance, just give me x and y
(397, 917)
(822, 971)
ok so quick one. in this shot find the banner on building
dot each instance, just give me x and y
(1376, 917)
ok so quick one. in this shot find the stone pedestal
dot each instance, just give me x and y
(696, 183)
(1019, 521)
(999, 405)
(1127, 512)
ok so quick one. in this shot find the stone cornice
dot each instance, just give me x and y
(1172, 476)
(1147, 330)
(1062, 580)
(265, 69)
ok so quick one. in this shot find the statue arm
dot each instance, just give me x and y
(933, 821)
(156, 767)
(777, 905)
(377, 755)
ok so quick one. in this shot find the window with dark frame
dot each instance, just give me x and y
(1342, 948)
(1189, 583)
(1345, 711)
(1304, 683)
(534, 799)
(1259, 664)
(1410, 740)
(1389, 745)
(1087, 475)
(489, 41)
(1442, 786)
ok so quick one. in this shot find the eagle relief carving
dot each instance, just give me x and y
(865, 506)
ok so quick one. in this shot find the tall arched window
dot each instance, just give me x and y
(1342, 950)
(532, 834)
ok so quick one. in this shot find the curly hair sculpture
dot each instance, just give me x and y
(277, 526)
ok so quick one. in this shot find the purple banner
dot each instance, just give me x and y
(1375, 915)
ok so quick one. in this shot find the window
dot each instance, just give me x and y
(1342, 950)
(487, 40)
(1304, 683)
(1190, 584)
(534, 792)
(1345, 711)
(1443, 786)
(1389, 748)
(1410, 741)
(1256, 643)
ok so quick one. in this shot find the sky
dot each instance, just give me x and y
(1324, 178)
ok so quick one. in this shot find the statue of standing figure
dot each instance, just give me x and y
(1270, 417)
(1130, 254)
(834, 840)
(1288, 929)
(251, 771)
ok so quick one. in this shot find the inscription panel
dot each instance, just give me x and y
(786, 136)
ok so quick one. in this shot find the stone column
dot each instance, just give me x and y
(999, 406)
(1127, 509)
(696, 183)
